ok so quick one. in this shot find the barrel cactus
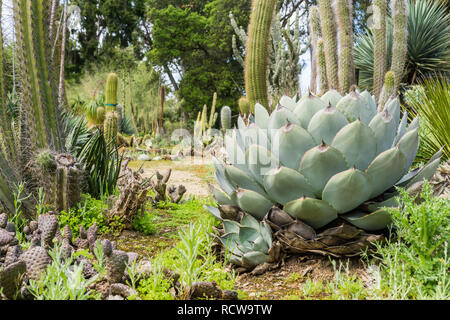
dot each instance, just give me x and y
(332, 168)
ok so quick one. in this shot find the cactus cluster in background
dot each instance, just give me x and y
(37, 123)
(204, 124)
(316, 34)
(113, 114)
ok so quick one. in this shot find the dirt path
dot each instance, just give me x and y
(193, 173)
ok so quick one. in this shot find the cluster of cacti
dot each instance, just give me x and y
(36, 124)
(281, 50)
(18, 266)
(61, 178)
(321, 164)
(203, 125)
(225, 118)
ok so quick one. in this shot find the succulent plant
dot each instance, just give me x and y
(322, 164)
(248, 242)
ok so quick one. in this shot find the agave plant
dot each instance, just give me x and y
(322, 165)
(249, 242)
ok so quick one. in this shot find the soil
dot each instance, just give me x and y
(286, 281)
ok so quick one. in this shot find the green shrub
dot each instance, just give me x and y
(88, 211)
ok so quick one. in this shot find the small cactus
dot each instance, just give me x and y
(322, 67)
(388, 89)
(346, 63)
(225, 118)
(244, 106)
(400, 40)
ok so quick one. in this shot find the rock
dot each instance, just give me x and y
(122, 290)
(229, 295)
(204, 289)
(144, 269)
(111, 297)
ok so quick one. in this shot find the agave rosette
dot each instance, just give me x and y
(320, 159)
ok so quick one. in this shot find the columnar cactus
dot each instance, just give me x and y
(400, 40)
(346, 61)
(379, 39)
(322, 67)
(225, 118)
(110, 128)
(111, 92)
(328, 26)
(316, 34)
(258, 49)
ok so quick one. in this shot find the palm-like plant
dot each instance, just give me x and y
(431, 102)
(428, 44)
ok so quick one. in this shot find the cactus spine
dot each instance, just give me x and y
(379, 39)
(316, 34)
(258, 51)
(225, 118)
(322, 67)
(344, 11)
(400, 40)
(328, 26)
(388, 89)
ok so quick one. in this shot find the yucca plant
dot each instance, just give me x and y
(431, 102)
(320, 174)
(428, 44)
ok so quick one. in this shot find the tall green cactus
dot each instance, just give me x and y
(110, 128)
(322, 67)
(316, 34)
(258, 51)
(344, 11)
(112, 82)
(225, 118)
(400, 40)
(328, 26)
(379, 39)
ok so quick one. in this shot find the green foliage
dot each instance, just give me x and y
(102, 164)
(89, 211)
(144, 223)
(430, 101)
(61, 283)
